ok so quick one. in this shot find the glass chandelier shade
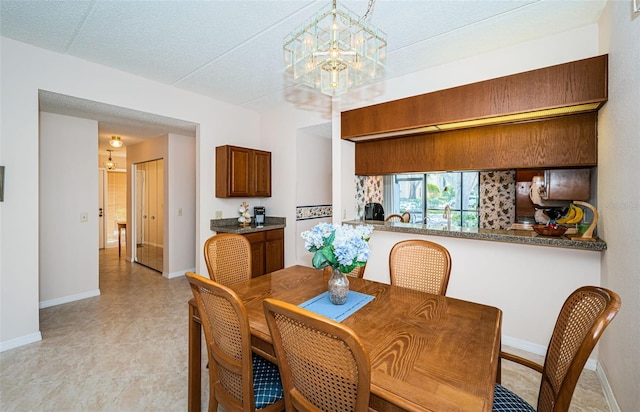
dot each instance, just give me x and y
(110, 164)
(335, 51)
(115, 141)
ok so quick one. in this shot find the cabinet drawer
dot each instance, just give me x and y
(255, 237)
(275, 234)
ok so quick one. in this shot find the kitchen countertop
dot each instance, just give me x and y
(528, 237)
(232, 225)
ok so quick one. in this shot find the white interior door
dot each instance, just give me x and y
(149, 213)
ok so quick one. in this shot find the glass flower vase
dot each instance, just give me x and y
(338, 287)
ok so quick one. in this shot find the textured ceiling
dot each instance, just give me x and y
(232, 50)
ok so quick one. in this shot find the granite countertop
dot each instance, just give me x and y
(528, 237)
(232, 225)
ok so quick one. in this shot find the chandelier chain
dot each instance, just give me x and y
(369, 8)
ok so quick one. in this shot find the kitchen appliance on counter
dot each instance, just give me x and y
(373, 211)
(259, 214)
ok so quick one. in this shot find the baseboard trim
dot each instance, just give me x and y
(606, 388)
(70, 298)
(178, 273)
(539, 349)
(21, 341)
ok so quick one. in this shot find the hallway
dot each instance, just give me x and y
(125, 350)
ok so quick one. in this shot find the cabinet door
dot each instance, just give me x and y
(274, 250)
(242, 172)
(262, 173)
(239, 171)
(257, 253)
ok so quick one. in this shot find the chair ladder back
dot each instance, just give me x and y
(420, 265)
(393, 218)
(323, 364)
(226, 328)
(228, 258)
(582, 320)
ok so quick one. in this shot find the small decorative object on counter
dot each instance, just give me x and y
(245, 217)
(343, 247)
(587, 235)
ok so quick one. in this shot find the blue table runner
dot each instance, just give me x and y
(323, 306)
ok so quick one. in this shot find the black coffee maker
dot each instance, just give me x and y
(373, 211)
(259, 214)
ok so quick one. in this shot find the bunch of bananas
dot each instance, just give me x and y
(574, 215)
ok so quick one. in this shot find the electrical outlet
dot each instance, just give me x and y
(179, 211)
(84, 217)
(218, 214)
(344, 213)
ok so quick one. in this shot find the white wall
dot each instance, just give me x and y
(68, 188)
(313, 187)
(181, 205)
(619, 199)
(25, 69)
(278, 134)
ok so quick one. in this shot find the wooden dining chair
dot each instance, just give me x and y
(406, 217)
(355, 273)
(393, 218)
(228, 258)
(582, 320)
(323, 364)
(421, 265)
(239, 380)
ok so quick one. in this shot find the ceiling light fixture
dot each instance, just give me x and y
(110, 164)
(115, 141)
(335, 51)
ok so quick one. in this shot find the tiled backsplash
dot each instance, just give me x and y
(497, 199)
(313, 212)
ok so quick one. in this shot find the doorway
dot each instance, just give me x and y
(148, 236)
(112, 207)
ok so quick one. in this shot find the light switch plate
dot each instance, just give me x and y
(84, 217)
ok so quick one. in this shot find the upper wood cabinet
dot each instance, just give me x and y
(242, 172)
(568, 141)
(575, 87)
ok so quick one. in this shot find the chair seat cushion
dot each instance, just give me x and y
(267, 387)
(506, 401)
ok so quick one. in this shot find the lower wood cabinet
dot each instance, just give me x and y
(267, 251)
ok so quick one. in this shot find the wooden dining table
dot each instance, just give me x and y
(427, 352)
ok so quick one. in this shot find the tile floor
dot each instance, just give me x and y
(126, 350)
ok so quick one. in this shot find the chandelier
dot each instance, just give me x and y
(110, 164)
(335, 51)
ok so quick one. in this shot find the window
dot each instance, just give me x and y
(427, 194)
